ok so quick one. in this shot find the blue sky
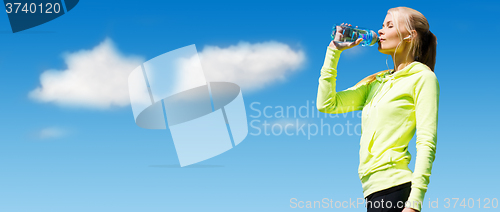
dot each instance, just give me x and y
(62, 158)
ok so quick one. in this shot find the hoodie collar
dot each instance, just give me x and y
(412, 68)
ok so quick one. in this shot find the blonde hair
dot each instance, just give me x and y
(423, 47)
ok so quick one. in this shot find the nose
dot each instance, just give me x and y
(380, 32)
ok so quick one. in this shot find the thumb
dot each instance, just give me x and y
(359, 40)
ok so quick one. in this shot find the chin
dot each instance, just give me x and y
(385, 51)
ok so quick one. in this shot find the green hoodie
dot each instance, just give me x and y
(393, 107)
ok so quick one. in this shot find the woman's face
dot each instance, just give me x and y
(389, 38)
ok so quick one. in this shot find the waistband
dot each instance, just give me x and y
(389, 190)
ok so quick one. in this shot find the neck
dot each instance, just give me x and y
(402, 60)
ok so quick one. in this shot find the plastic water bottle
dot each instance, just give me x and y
(351, 34)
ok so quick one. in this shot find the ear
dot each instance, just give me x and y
(412, 36)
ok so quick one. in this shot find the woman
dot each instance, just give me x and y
(395, 103)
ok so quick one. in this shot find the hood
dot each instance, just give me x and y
(387, 80)
(412, 68)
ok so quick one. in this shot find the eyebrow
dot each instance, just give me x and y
(387, 22)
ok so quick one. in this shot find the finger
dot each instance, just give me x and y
(357, 42)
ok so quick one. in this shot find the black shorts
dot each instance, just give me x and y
(389, 200)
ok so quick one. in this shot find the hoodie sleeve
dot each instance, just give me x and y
(426, 98)
(331, 101)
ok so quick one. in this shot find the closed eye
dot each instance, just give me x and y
(388, 22)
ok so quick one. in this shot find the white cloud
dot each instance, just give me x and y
(95, 78)
(251, 66)
(98, 78)
(51, 132)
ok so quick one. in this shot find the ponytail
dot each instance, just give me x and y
(426, 53)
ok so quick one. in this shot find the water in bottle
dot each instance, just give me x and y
(351, 34)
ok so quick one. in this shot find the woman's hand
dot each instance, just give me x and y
(335, 44)
(409, 210)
